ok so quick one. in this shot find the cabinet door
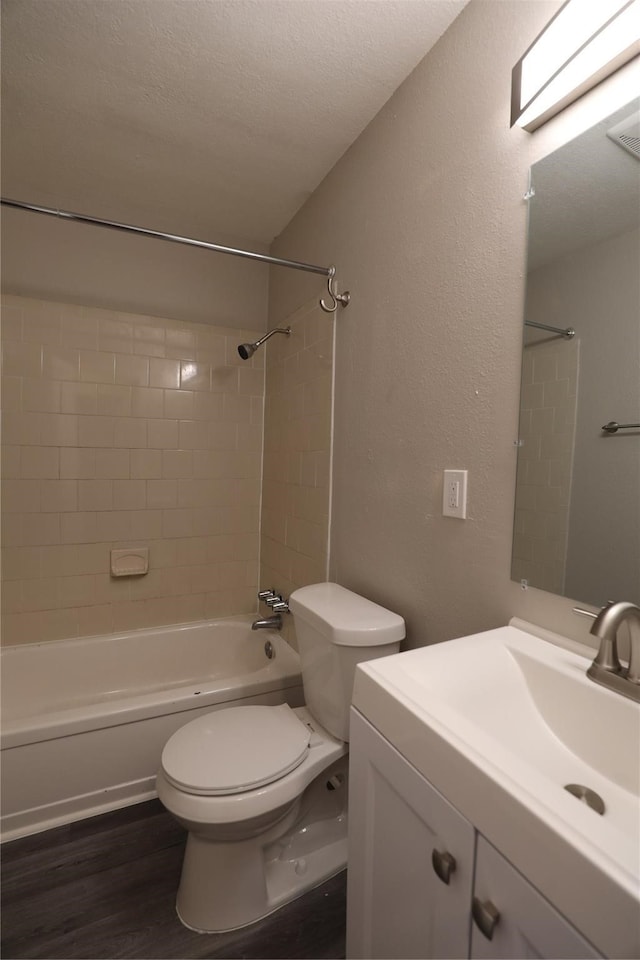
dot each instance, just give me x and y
(397, 904)
(527, 924)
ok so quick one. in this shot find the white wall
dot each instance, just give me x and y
(68, 262)
(425, 218)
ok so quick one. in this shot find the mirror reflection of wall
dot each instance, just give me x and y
(577, 523)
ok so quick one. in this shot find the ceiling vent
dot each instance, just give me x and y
(627, 134)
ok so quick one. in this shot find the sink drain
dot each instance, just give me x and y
(590, 797)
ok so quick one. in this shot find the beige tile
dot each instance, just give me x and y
(20, 496)
(58, 496)
(78, 329)
(178, 404)
(96, 431)
(39, 462)
(130, 432)
(78, 527)
(193, 435)
(146, 524)
(78, 397)
(42, 594)
(177, 523)
(95, 620)
(60, 363)
(58, 429)
(206, 406)
(11, 461)
(181, 343)
(149, 338)
(115, 336)
(162, 434)
(12, 530)
(195, 376)
(21, 359)
(10, 320)
(70, 560)
(162, 494)
(12, 596)
(95, 495)
(112, 464)
(41, 322)
(163, 553)
(39, 529)
(132, 370)
(11, 389)
(20, 429)
(129, 494)
(114, 400)
(146, 464)
(58, 624)
(164, 373)
(75, 463)
(224, 380)
(77, 591)
(41, 395)
(97, 367)
(147, 402)
(251, 382)
(21, 563)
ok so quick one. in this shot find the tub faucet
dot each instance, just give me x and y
(268, 623)
(606, 669)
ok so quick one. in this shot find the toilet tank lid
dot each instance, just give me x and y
(345, 617)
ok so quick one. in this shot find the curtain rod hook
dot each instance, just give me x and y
(336, 298)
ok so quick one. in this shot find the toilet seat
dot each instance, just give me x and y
(235, 750)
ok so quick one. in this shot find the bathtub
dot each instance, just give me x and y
(84, 721)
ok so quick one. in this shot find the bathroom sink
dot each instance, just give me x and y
(502, 722)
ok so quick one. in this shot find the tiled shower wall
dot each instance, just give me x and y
(124, 430)
(297, 458)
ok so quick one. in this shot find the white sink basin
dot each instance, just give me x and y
(500, 722)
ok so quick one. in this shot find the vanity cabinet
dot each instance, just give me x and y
(422, 883)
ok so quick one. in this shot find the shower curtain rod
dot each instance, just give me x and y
(328, 272)
(567, 333)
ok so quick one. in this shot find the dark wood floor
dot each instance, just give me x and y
(105, 888)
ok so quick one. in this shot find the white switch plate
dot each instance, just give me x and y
(454, 494)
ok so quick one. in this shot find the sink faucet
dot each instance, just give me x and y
(606, 669)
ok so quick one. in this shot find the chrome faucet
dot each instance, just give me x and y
(606, 668)
(277, 604)
(268, 623)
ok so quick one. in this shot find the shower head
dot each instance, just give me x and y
(247, 350)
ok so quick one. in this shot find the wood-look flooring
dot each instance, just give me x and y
(105, 888)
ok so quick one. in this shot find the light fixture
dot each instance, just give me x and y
(585, 42)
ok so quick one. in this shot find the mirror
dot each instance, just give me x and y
(577, 506)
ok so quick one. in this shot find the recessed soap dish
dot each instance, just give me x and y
(133, 562)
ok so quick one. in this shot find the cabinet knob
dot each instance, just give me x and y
(486, 916)
(444, 865)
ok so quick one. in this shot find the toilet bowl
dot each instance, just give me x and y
(262, 791)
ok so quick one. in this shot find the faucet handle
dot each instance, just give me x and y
(584, 613)
(281, 606)
(271, 601)
(263, 594)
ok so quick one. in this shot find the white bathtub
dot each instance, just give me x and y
(84, 721)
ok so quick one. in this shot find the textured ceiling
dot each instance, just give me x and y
(586, 191)
(210, 118)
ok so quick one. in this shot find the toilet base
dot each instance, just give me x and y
(225, 886)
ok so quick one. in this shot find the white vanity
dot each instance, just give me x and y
(463, 841)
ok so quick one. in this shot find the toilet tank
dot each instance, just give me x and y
(336, 630)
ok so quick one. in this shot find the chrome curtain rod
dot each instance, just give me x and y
(328, 272)
(567, 333)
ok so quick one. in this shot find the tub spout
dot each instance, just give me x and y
(269, 623)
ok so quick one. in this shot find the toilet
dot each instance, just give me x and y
(262, 791)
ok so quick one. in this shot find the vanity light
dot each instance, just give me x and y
(585, 42)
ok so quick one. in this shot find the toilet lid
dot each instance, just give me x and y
(235, 750)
